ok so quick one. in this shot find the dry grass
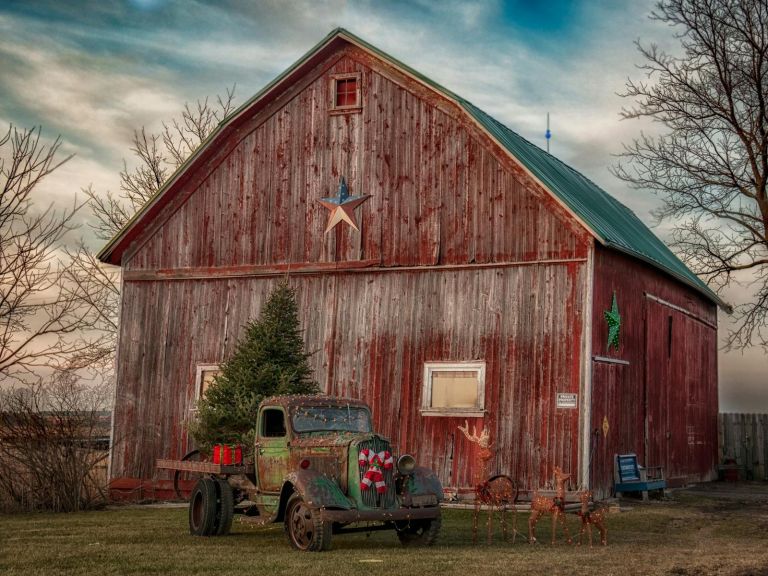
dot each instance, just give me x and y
(690, 535)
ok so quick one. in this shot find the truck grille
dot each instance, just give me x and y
(370, 497)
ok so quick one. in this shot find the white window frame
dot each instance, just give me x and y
(426, 391)
(199, 370)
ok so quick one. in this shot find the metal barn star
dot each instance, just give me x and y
(614, 324)
(342, 207)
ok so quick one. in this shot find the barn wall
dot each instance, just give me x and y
(370, 334)
(666, 383)
(440, 192)
(460, 256)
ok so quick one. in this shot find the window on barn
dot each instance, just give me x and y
(453, 389)
(204, 376)
(345, 93)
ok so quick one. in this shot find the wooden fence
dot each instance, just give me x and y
(744, 438)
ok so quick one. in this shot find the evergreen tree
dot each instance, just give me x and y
(269, 360)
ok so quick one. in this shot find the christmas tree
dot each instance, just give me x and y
(269, 359)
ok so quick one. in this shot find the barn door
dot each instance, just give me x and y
(610, 426)
(681, 434)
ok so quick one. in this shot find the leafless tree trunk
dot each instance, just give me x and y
(158, 156)
(37, 315)
(710, 166)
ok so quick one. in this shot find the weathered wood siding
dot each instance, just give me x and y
(370, 334)
(441, 193)
(744, 438)
(668, 389)
(460, 256)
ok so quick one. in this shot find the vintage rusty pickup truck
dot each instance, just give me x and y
(318, 467)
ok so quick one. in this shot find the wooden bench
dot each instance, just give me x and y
(629, 476)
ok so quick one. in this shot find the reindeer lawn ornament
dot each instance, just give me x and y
(591, 518)
(496, 492)
(541, 505)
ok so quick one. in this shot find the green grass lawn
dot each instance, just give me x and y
(688, 535)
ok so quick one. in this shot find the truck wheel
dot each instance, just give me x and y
(304, 528)
(418, 532)
(225, 507)
(202, 508)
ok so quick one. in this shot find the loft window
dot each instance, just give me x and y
(346, 92)
(453, 389)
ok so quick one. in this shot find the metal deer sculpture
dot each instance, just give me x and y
(591, 518)
(496, 492)
(541, 505)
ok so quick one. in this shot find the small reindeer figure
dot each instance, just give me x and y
(541, 505)
(591, 518)
(496, 492)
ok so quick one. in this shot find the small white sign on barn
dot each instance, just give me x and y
(567, 400)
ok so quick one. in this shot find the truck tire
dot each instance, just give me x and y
(418, 532)
(304, 528)
(225, 507)
(202, 508)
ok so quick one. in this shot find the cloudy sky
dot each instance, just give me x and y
(93, 72)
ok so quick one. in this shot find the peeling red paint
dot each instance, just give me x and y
(460, 256)
(667, 389)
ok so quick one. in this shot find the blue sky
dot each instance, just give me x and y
(95, 71)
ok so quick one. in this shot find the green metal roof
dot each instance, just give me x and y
(614, 224)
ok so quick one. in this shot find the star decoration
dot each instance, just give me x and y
(342, 207)
(614, 324)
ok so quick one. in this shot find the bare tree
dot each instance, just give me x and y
(156, 156)
(710, 166)
(54, 439)
(37, 315)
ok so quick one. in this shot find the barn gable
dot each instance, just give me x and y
(232, 211)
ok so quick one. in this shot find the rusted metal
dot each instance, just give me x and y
(311, 455)
(376, 515)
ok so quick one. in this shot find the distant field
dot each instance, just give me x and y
(689, 535)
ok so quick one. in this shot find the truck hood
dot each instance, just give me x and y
(333, 439)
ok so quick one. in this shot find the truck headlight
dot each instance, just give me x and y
(406, 464)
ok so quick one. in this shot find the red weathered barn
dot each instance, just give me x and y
(467, 278)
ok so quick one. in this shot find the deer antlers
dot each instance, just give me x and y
(483, 440)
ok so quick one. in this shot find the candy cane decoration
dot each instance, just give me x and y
(375, 462)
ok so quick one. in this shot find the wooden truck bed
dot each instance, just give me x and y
(201, 467)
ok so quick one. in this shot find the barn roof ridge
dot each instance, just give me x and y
(612, 223)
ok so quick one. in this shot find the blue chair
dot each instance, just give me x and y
(629, 476)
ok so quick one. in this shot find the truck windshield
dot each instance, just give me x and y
(333, 418)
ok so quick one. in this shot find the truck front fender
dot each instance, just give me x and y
(423, 481)
(317, 490)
